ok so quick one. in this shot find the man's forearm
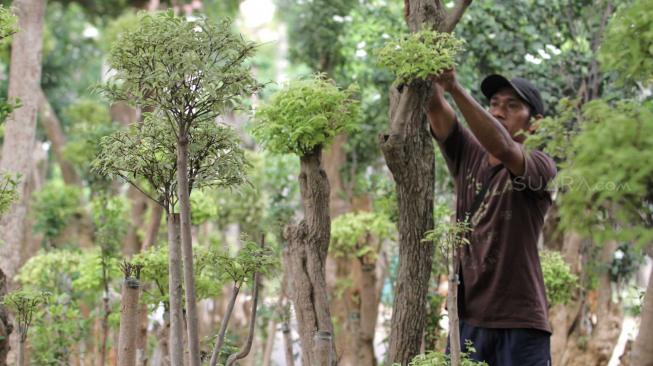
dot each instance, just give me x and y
(487, 129)
(440, 114)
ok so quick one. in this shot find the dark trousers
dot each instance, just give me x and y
(507, 347)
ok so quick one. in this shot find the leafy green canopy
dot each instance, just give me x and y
(306, 115)
(147, 152)
(608, 181)
(420, 54)
(631, 57)
(560, 283)
(8, 24)
(189, 70)
(351, 233)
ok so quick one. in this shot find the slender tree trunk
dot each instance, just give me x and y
(128, 321)
(20, 129)
(642, 354)
(132, 243)
(252, 326)
(452, 307)
(176, 343)
(187, 250)
(6, 327)
(369, 310)
(223, 327)
(152, 231)
(21, 353)
(308, 243)
(269, 342)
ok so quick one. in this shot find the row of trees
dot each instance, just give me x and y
(181, 75)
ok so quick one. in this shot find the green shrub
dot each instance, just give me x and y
(305, 115)
(350, 233)
(560, 283)
(55, 205)
(419, 55)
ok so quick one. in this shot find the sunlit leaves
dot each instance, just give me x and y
(419, 55)
(354, 234)
(305, 115)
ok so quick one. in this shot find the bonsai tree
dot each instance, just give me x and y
(189, 72)
(302, 119)
(24, 304)
(145, 156)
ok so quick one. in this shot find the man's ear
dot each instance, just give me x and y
(534, 123)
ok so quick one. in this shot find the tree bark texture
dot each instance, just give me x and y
(128, 322)
(642, 354)
(183, 193)
(6, 327)
(409, 154)
(132, 243)
(308, 244)
(176, 343)
(20, 129)
(452, 306)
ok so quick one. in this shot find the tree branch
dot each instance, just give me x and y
(223, 327)
(252, 325)
(457, 12)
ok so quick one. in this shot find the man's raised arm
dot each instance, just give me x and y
(441, 116)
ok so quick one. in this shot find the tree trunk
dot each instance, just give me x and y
(408, 151)
(223, 327)
(452, 307)
(369, 312)
(20, 129)
(132, 243)
(21, 353)
(308, 244)
(269, 342)
(642, 354)
(6, 327)
(128, 322)
(287, 341)
(55, 134)
(183, 194)
(153, 227)
(175, 289)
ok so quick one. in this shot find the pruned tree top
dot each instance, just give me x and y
(305, 115)
(188, 69)
(420, 54)
(146, 153)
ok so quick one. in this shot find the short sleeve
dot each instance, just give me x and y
(459, 148)
(540, 169)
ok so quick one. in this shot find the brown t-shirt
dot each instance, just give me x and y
(502, 283)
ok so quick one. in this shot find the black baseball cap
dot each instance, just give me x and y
(524, 88)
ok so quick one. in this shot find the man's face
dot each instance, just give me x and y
(513, 113)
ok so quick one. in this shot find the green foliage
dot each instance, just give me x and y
(420, 54)
(306, 115)
(127, 22)
(238, 269)
(147, 152)
(8, 24)
(630, 56)
(433, 333)
(55, 206)
(24, 304)
(56, 332)
(447, 236)
(315, 29)
(8, 194)
(554, 134)
(606, 191)
(154, 262)
(189, 70)
(559, 281)
(432, 358)
(351, 234)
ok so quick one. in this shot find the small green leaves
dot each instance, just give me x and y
(8, 24)
(353, 234)
(419, 55)
(305, 115)
(560, 283)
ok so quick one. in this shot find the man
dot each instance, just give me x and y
(501, 190)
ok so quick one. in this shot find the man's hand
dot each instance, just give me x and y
(446, 79)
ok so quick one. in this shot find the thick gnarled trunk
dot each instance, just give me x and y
(20, 129)
(308, 243)
(409, 154)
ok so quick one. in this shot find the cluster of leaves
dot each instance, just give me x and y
(24, 304)
(55, 206)
(8, 194)
(631, 57)
(351, 234)
(147, 151)
(189, 70)
(559, 281)
(8, 24)
(433, 358)
(306, 115)
(447, 236)
(554, 134)
(420, 54)
(602, 201)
